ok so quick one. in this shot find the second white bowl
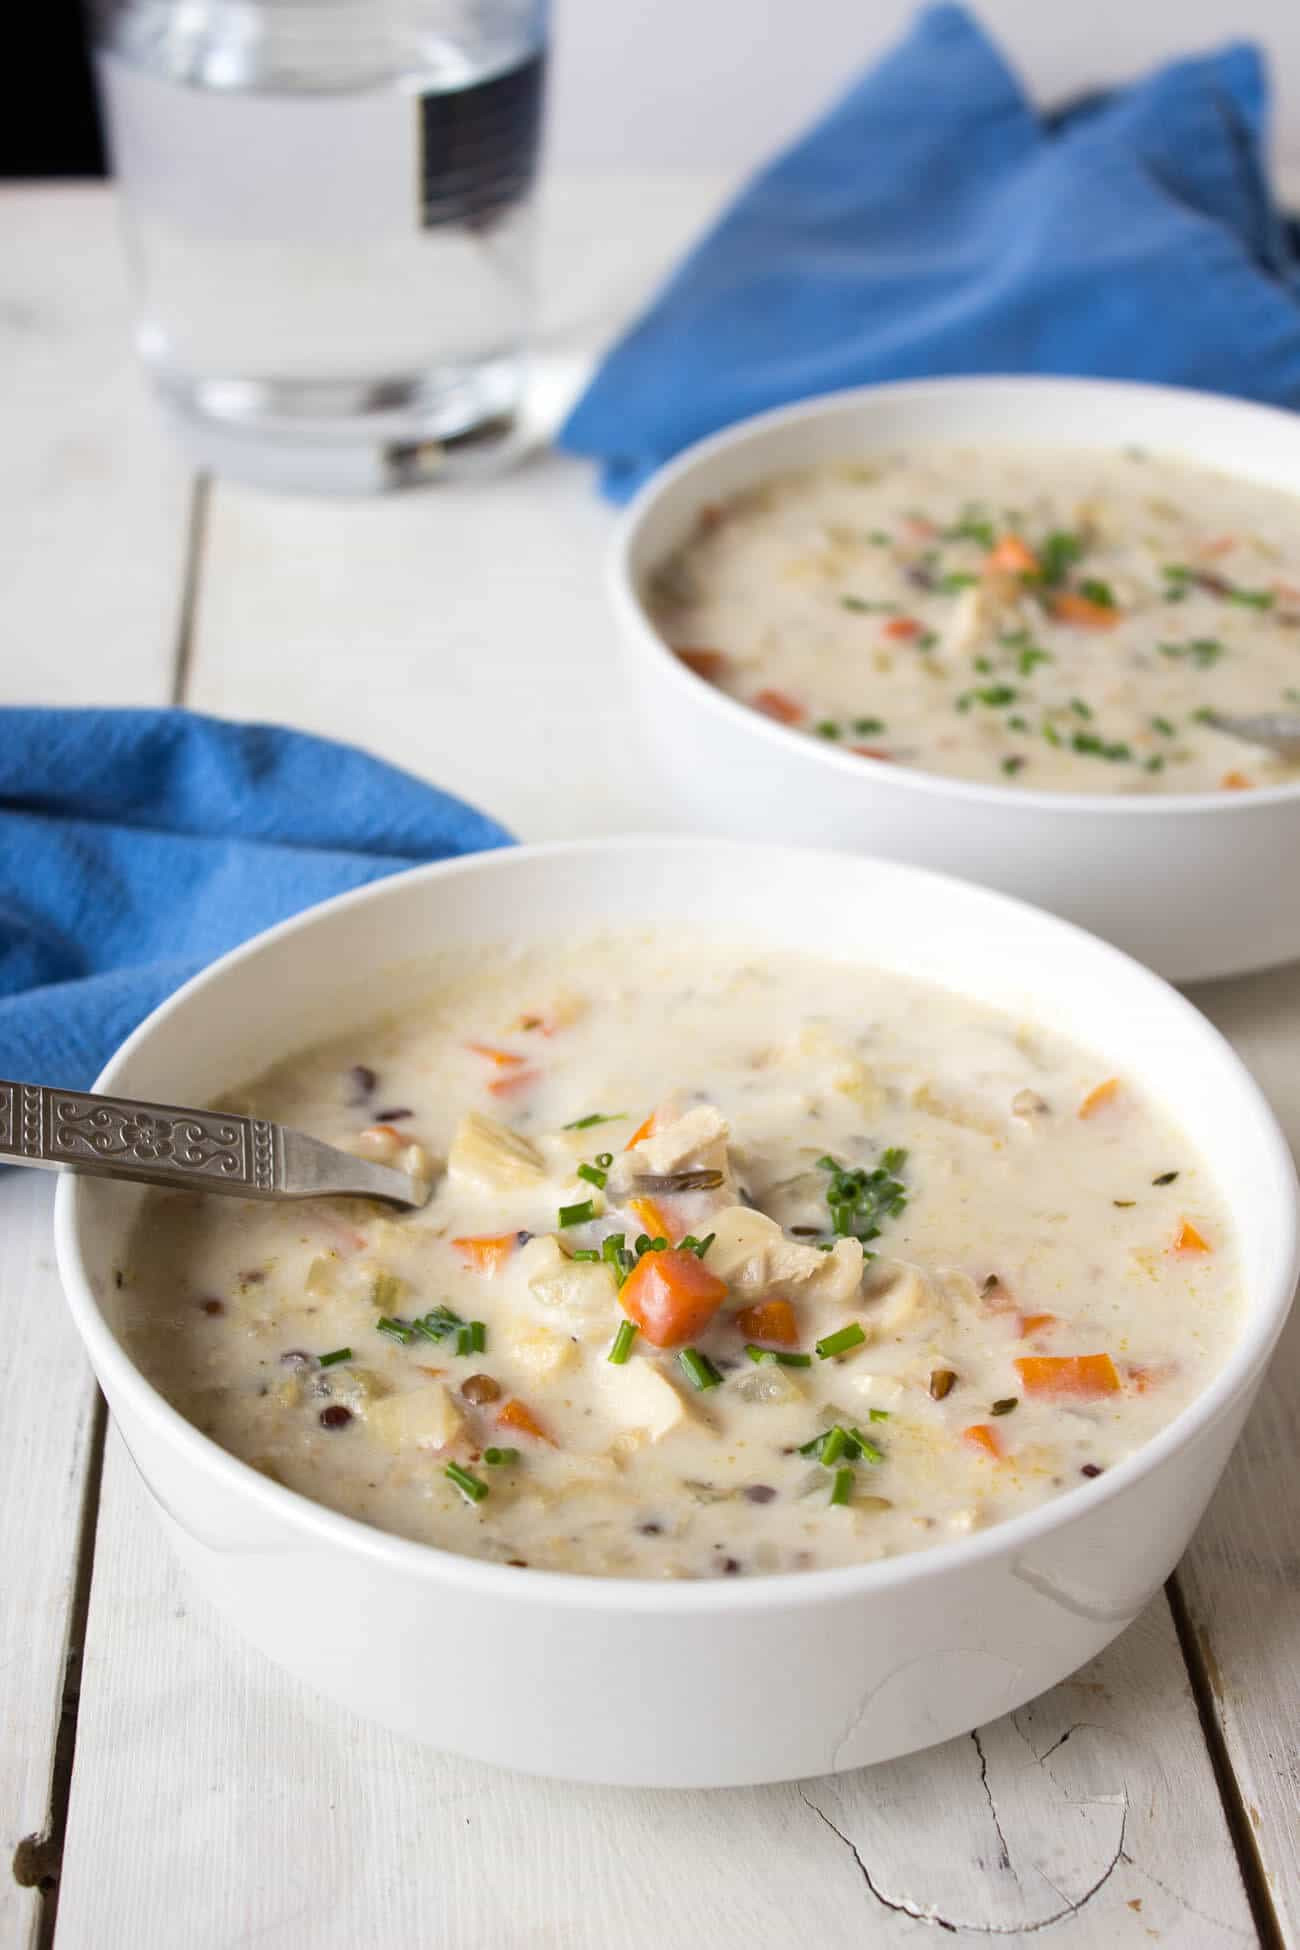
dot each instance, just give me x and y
(1194, 884)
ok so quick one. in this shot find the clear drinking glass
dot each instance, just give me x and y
(328, 207)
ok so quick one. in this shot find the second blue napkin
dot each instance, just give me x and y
(935, 222)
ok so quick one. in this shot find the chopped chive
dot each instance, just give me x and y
(926, 640)
(1079, 708)
(982, 664)
(841, 1341)
(396, 1330)
(878, 1415)
(834, 1443)
(704, 1245)
(339, 1354)
(1097, 592)
(469, 1485)
(866, 1447)
(957, 581)
(1163, 726)
(1031, 655)
(1156, 762)
(1017, 723)
(586, 1256)
(604, 1159)
(596, 1117)
(1051, 734)
(1013, 763)
(879, 537)
(437, 1323)
(622, 1346)
(593, 1175)
(499, 1458)
(842, 1487)
(996, 694)
(478, 1335)
(1252, 598)
(699, 1368)
(827, 728)
(868, 727)
(1005, 1406)
(1058, 551)
(777, 1355)
(577, 1215)
(862, 607)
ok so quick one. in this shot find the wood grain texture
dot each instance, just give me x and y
(94, 501)
(94, 508)
(45, 1431)
(255, 1813)
(1241, 1577)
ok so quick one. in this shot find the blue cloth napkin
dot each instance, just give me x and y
(935, 222)
(137, 845)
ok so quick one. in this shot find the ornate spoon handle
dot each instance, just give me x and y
(195, 1150)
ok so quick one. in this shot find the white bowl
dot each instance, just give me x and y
(672, 1684)
(1195, 884)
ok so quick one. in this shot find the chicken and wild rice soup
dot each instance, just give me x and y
(1062, 619)
(733, 1264)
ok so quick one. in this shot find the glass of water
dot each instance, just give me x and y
(328, 207)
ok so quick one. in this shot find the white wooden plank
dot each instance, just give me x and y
(94, 502)
(94, 512)
(461, 631)
(256, 1813)
(1241, 1577)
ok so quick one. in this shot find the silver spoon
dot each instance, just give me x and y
(193, 1150)
(1276, 731)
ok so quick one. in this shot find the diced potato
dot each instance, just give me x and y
(638, 1396)
(489, 1157)
(426, 1418)
(970, 1117)
(752, 1254)
(541, 1351)
(358, 1389)
(322, 1281)
(877, 1390)
(585, 1295)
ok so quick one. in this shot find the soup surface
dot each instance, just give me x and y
(1055, 618)
(733, 1264)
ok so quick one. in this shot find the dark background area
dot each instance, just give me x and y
(49, 125)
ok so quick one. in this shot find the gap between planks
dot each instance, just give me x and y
(1249, 1860)
(38, 1859)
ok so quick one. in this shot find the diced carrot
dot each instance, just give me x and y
(872, 751)
(1067, 1374)
(769, 1320)
(516, 1415)
(1236, 782)
(486, 1251)
(1012, 556)
(1189, 1240)
(513, 1083)
(385, 1131)
(429, 1371)
(641, 1131)
(1098, 1096)
(1071, 607)
(649, 1216)
(1034, 1324)
(503, 1058)
(775, 704)
(902, 627)
(709, 664)
(981, 1435)
(672, 1296)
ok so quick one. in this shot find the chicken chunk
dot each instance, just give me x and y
(489, 1157)
(695, 1141)
(638, 1396)
(752, 1254)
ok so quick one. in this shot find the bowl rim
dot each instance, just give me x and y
(622, 590)
(543, 1587)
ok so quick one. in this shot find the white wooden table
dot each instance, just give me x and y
(167, 1787)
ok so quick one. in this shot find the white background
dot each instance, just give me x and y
(719, 83)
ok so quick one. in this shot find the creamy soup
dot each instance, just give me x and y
(733, 1264)
(1062, 619)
